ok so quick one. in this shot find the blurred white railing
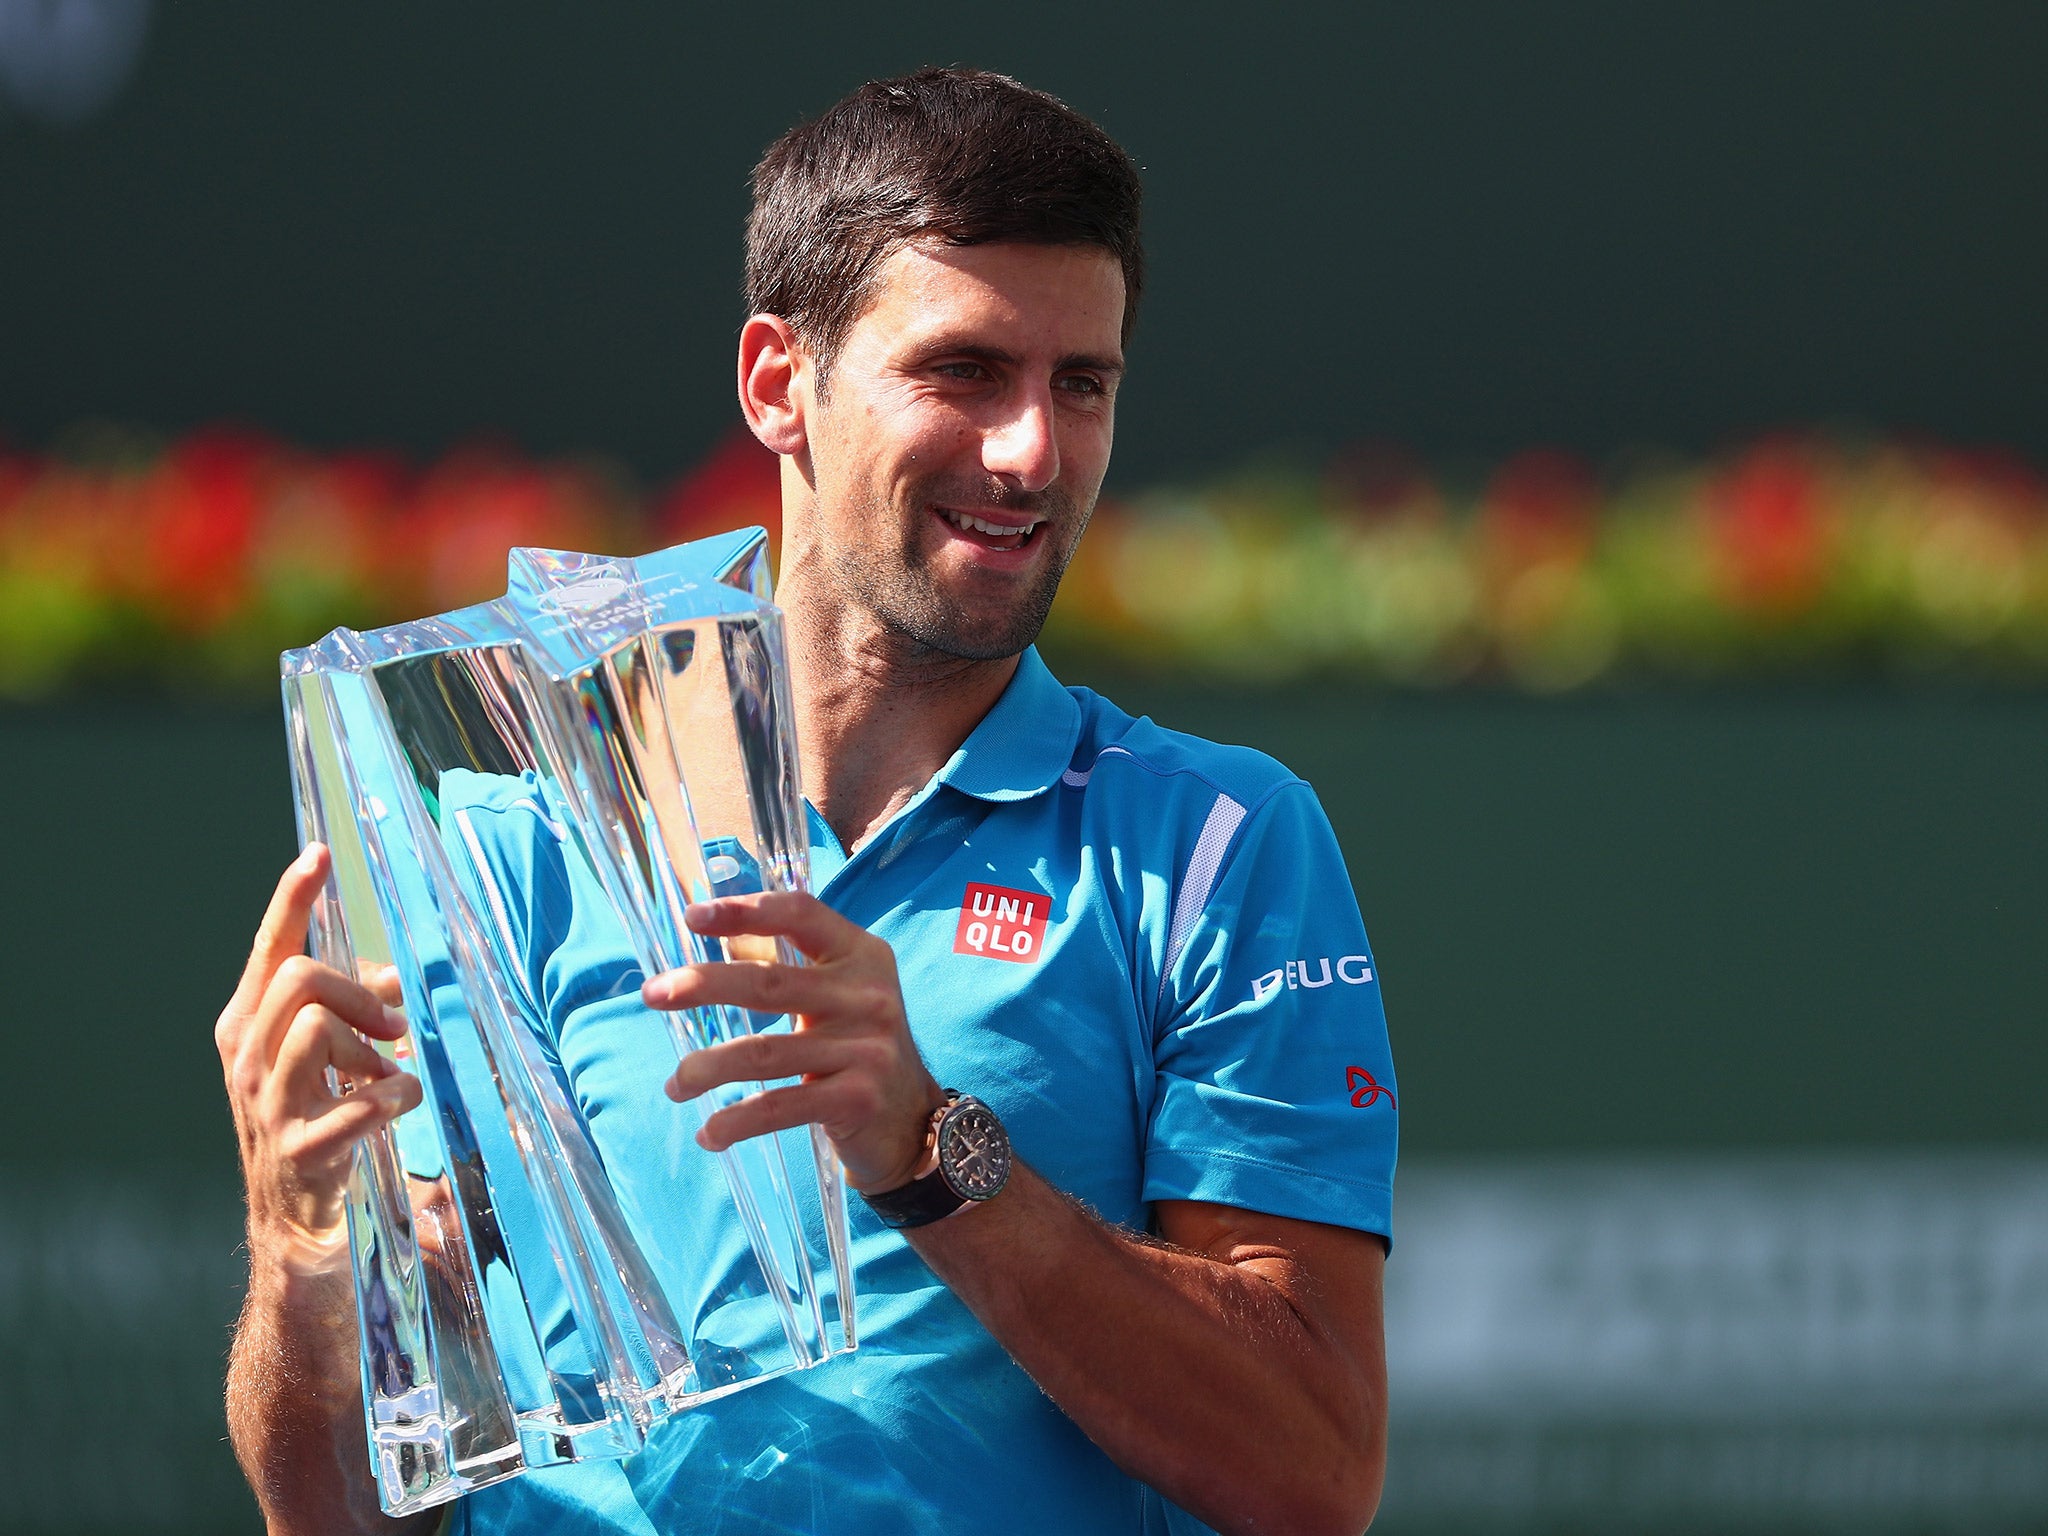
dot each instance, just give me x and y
(1721, 1339)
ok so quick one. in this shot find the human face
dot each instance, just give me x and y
(958, 444)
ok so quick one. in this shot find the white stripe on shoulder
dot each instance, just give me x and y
(525, 803)
(1077, 778)
(1198, 882)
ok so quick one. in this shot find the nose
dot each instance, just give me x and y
(1022, 447)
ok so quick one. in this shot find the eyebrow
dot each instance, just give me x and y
(941, 346)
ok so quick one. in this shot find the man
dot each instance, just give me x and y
(1168, 1311)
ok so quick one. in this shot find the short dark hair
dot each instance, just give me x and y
(961, 156)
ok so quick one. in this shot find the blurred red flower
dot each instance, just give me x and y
(199, 509)
(738, 484)
(1770, 535)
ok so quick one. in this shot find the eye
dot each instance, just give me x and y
(1082, 384)
(967, 372)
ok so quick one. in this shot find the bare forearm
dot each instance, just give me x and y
(294, 1406)
(1204, 1377)
(294, 1032)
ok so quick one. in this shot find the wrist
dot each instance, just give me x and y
(294, 1265)
(917, 1162)
(966, 1161)
(923, 1156)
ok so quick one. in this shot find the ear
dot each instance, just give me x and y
(772, 369)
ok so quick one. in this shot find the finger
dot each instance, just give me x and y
(301, 980)
(745, 984)
(773, 1109)
(751, 1058)
(353, 1116)
(297, 982)
(797, 916)
(382, 980)
(317, 1040)
(282, 933)
(433, 1216)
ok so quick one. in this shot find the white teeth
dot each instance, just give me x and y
(964, 522)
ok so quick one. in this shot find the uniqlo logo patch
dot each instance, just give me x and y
(1002, 924)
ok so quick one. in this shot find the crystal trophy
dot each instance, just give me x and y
(521, 797)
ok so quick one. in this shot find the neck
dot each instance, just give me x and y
(877, 714)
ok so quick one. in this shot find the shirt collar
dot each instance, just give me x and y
(1022, 745)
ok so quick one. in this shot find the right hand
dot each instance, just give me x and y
(291, 1019)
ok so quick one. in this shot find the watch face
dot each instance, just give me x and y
(974, 1151)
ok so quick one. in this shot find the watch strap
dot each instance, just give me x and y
(918, 1203)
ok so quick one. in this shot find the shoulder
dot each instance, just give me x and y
(501, 824)
(1123, 755)
(492, 794)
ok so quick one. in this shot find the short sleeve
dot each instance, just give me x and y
(547, 923)
(497, 840)
(1274, 1084)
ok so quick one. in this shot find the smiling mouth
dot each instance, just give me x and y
(990, 532)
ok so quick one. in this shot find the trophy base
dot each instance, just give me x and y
(413, 1458)
(418, 1467)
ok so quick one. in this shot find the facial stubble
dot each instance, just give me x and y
(902, 592)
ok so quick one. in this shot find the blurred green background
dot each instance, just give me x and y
(1469, 227)
(1718, 1007)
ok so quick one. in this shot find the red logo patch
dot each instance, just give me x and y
(1001, 923)
(1365, 1088)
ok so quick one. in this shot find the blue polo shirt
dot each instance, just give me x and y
(1143, 951)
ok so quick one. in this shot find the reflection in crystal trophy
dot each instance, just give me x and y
(545, 1262)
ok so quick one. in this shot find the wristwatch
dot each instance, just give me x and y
(967, 1159)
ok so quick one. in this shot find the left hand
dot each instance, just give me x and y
(862, 1078)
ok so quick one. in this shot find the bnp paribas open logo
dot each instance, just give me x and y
(596, 590)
